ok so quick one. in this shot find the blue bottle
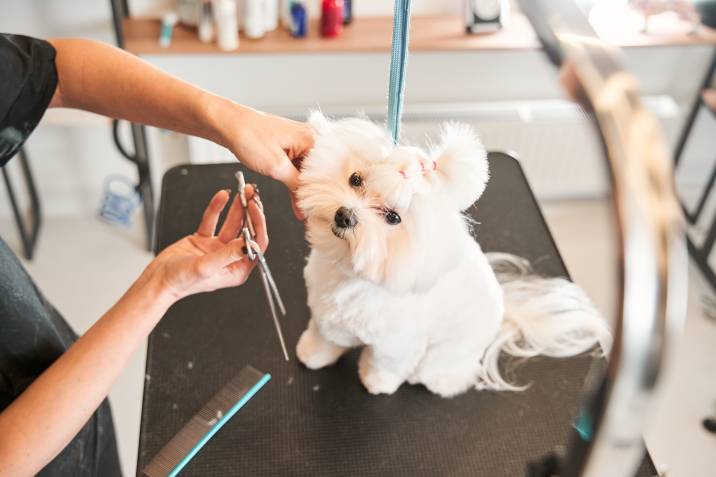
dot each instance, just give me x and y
(347, 12)
(299, 20)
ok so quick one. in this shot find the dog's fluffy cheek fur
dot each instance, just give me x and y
(400, 273)
(319, 235)
(424, 247)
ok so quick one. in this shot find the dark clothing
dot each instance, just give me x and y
(32, 336)
(32, 333)
(28, 79)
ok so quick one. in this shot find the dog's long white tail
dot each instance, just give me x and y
(543, 316)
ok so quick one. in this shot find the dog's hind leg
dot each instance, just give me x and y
(315, 351)
(383, 369)
(448, 370)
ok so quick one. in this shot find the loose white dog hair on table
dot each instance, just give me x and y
(394, 268)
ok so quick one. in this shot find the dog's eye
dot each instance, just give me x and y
(355, 180)
(392, 217)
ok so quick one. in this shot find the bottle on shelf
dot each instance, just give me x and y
(299, 19)
(169, 20)
(228, 28)
(206, 22)
(271, 13)
(285, 15)
(254, 21)
(331, 18)
(347, 12)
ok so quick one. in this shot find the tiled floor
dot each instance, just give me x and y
(83, 266)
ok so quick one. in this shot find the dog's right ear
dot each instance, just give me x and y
(461, 164)
(320, 123)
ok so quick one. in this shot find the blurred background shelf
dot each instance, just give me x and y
(373, 34)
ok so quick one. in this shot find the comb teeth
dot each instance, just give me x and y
(191, 438)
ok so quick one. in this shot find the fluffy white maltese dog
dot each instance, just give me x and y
(393, 267)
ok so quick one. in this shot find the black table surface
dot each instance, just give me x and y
(323, 423)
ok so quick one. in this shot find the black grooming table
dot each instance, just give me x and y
(323, 423)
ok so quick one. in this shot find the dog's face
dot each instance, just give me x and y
(389, 213)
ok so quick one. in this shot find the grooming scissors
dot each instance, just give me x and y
(253, 252)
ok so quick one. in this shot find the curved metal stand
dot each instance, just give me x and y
(28, 229)
(140, 157)
(652, 254)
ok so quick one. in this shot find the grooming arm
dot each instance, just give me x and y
(650, 238)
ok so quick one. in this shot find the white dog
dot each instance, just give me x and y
(394, 268)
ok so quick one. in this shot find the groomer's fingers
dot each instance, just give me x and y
(257, 216)
(301, 142)
(239, 271)
(235, 218)
(212, 263)
(207, 227)
(232, 223)
(297, 212)
(285, 171)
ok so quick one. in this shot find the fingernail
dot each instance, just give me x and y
(258, 202)
(228, 191)
(256, 188)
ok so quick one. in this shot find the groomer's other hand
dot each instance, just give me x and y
(270, 145)
(210, 259)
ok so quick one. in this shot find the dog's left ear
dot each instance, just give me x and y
(461, 165)
(320, 123)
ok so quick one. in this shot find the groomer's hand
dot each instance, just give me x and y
(209, 260)
(53, 409)
(270, 145)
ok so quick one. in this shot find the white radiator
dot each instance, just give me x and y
(554, 140)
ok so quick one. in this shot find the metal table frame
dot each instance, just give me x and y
(28, 231)
(140, 154)
(700, 254)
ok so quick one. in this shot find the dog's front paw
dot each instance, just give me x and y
(315, 352)
(377, 381)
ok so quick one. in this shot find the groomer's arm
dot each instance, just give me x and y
(45, 418)
(106, 80)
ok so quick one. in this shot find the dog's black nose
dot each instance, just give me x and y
(345, 218)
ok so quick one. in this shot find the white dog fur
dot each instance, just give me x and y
(420, 295)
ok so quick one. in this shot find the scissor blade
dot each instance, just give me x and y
(276, 323)
(250, 251)
(267, 274)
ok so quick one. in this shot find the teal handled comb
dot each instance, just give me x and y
(177, 453)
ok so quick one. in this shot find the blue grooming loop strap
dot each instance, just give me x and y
(398, 59)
